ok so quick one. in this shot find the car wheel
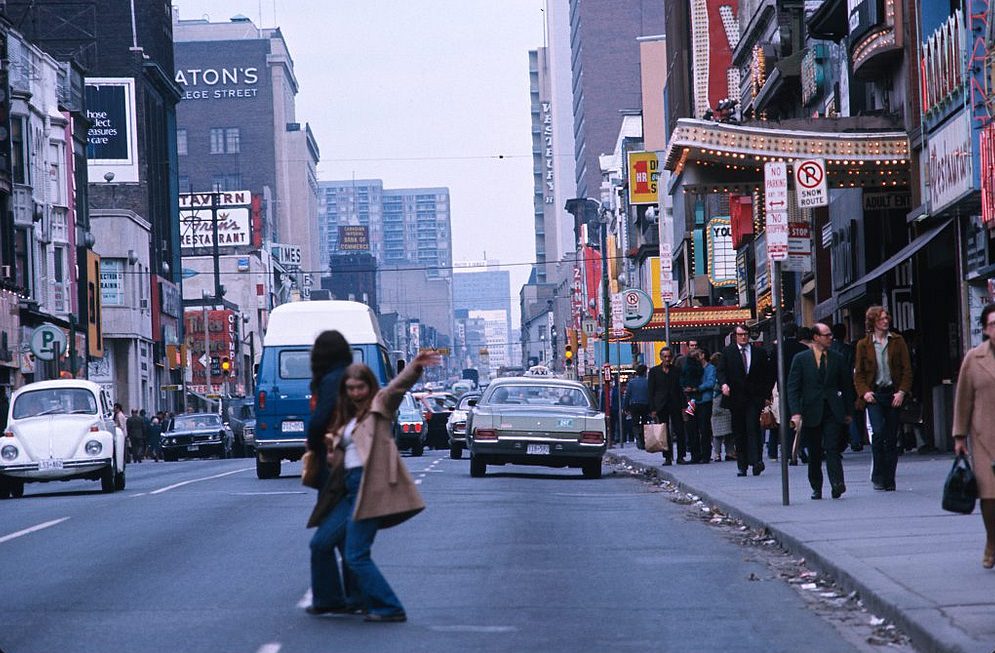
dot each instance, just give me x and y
(418, 449)
(592, 468)
(16, 489)
(4, 489)
(119, 481)
(455, 451)
(169, 457)
(107, 478)
(477, 467)
(266, 470)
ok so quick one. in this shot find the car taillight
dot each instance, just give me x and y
(313, 403)
(262, 399)
(592, 437)
(8, 434)
(94, 428)
(405, 427)
(485, 434)
(418, 427)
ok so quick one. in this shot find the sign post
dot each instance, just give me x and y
(776, 206)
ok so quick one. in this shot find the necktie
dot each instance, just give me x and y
(822, 363)
(746, 365)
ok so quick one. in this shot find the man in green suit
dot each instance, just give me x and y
(820, 398)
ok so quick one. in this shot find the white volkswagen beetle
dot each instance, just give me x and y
(57, 431)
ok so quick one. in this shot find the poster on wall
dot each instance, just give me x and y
(112, 138)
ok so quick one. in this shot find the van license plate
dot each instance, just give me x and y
(49, 463)
(293, 427)
(537, 450)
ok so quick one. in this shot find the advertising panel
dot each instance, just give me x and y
(354, 238)
(721, 255)
(644, 176)
(112, 141)
(950, 169)
(222, 337)
(197, 215)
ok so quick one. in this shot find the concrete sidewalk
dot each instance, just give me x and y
(911, 562)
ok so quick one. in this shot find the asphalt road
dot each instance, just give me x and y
(201, 556)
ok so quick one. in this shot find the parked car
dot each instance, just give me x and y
(538, 420)
(242, 415)
(57, 431)
(410, 428)
(194, 435)
(436, 407)
(456, 426)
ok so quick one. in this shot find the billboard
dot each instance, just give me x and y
(354, 238)
(197, 210)
(112, 141)
(222, 340)
(644, 176)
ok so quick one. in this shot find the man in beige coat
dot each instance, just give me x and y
(974, 420)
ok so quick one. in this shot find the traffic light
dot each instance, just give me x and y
(226, 366)
(568, 355)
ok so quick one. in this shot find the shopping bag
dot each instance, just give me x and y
(656, 438)
(960, 491)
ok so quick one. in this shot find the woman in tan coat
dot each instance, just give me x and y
(974, 421)
(378, 490)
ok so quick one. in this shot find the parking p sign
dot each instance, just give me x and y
(48, 342)
(810, 183)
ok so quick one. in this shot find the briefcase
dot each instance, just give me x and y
(656, 438)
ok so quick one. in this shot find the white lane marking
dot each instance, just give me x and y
(26, 531)
(253, 494)
(197, 480)
(306, 600)
(272, 647)
(474, 629)
(139, 494)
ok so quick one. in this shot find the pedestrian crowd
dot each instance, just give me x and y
(143, 435)
(719, 406)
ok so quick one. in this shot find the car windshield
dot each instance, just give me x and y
(539, 395)
(55, 401)
(440, 403)
(408, 404)
(186, 422)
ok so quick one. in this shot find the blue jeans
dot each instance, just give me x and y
(884, 446)
(380, 598)
(326, 583)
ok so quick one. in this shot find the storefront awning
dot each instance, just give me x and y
(899, 257)
(859, 152)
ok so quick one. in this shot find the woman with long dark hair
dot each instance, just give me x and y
(330, 356)
(379, 492)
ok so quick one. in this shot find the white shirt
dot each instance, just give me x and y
(352, 459)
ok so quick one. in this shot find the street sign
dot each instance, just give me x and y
(204, 360)
(606, 372)
(618, 312)
(589, 326)
(637, 308)
(776, 209)
(170, 388)
(810, 183)
(48, 342)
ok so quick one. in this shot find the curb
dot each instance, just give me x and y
(925, 624)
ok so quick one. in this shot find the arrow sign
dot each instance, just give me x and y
(204, 361)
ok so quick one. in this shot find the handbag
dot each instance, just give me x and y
(655, 438)
(767, 420)
(311, 470)
(960, 491)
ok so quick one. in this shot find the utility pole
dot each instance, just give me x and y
(605, 310)
(215, 247)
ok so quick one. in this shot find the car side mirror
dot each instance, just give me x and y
(471, 402)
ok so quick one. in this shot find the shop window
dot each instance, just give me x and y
(181, 142)
(112, 281)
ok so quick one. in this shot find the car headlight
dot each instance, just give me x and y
(93, 448)
(9, 452)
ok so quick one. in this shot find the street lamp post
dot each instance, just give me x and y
(605, 312)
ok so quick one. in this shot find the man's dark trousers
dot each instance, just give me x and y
(823, 442)
(747, 434)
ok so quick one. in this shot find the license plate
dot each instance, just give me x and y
(293, 427)
(537, 450)
(50, 463)
(193, 447)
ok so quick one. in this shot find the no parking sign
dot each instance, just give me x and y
(810, 183)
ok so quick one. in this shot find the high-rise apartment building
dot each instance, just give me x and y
(409, 226)
(606, 80)
(487, 290)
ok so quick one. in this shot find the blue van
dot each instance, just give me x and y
(283, 393)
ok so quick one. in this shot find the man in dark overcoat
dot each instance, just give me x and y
(666, 403)
(746, 378)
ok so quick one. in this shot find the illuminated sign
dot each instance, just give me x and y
(941, 66)
(644, 175)
(721, 254)
(813, 74)
(547, 154)
(949, 162)
(197, 216)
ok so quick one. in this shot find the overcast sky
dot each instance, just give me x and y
(419, 93)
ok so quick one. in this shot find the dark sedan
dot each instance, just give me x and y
(196, 435)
